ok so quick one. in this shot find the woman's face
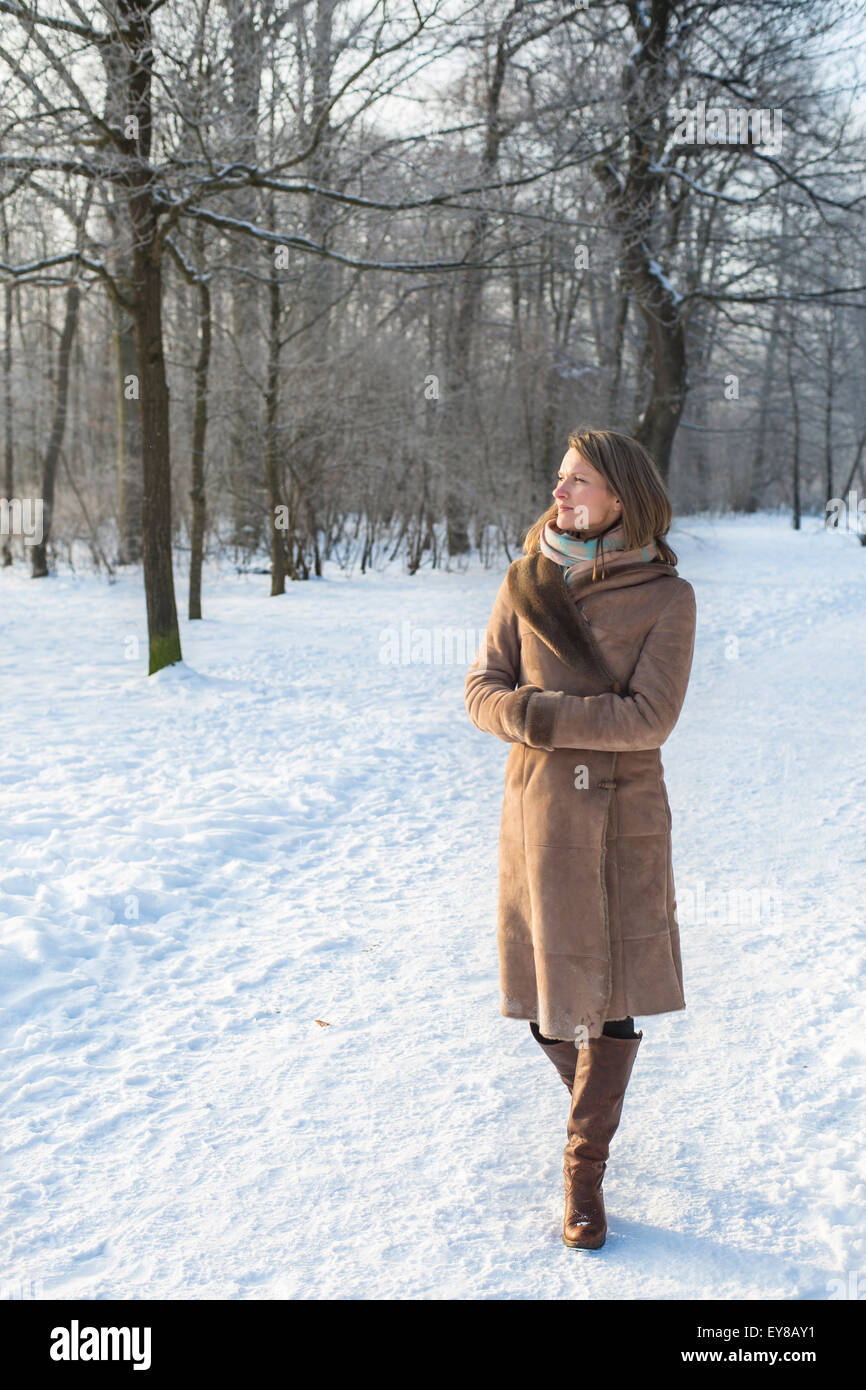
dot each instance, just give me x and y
(585, 503)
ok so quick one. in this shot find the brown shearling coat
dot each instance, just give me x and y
(585, 685)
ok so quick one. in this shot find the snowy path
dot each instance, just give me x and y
(197, 867)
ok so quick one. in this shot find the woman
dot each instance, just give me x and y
(587, 658)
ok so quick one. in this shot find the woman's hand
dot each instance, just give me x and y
(513, 712)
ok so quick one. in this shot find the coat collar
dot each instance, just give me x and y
(536, 585)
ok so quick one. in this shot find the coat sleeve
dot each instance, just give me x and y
(494, 701)
(645, 716)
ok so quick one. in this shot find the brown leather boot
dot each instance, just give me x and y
(563, 1055)
(603, 1069)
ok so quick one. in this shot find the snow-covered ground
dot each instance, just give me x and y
(196, 867)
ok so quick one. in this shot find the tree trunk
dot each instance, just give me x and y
(162, 623)
(768, 377)
(39, 551)
(199, 430)
(471, 289)
(828, 408)
(795, 449)
(114, 58)
(8, 453)
(632, 197)
(320, 287)
(277, 535)
(245, 430)
(616, 356)
(128, 442)
(660, 420)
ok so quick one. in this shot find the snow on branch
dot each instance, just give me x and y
(655, 270)
(32, 272)
(301, 243)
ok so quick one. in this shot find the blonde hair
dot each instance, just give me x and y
(633, 477)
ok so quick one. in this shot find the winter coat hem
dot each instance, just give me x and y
(521, 1016)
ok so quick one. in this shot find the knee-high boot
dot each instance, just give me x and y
(601, 1077)
(563, 1055)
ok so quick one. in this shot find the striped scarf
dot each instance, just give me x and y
(576, 556)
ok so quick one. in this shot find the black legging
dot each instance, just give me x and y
(614, 1028)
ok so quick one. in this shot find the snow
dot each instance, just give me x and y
(196, 867)
(634, 54)
(658, 274)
